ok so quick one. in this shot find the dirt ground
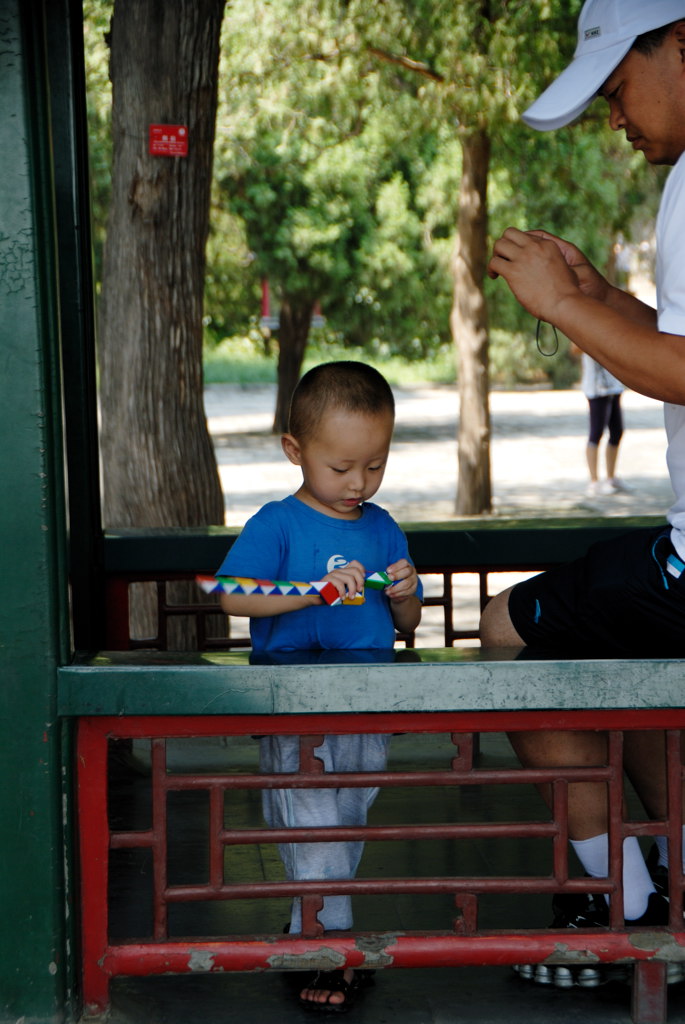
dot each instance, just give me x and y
(537, 453)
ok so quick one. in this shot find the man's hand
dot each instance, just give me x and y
(543, 270)
(590, 281)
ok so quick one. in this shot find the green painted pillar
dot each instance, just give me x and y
(33, 586)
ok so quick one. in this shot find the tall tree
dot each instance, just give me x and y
(486, 59)
(158, 461)
(469, 323)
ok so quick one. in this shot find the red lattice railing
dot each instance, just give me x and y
(215, 632)
(465, 943)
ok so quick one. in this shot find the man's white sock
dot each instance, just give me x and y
(593, 854)
(662, 846)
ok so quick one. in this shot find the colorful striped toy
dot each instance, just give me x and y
(325, 589)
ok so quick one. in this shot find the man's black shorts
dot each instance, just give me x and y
(621, 599)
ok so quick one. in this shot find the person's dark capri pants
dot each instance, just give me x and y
(620, 599)
(605, 411)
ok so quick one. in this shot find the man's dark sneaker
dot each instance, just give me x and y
(580, 910)
(590, 910)
(571, 910)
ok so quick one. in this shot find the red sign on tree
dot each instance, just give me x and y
(168, 140)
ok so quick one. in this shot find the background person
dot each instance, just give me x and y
(603, 392)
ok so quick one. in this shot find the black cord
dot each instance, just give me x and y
(537, 340)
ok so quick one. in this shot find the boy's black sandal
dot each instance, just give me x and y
(334, 981)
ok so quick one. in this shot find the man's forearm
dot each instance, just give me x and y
(632, 307)
(622, 335)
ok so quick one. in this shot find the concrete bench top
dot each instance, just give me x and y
(343, 682)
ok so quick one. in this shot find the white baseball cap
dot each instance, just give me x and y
(606, 31)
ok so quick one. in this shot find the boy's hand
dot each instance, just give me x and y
(405, 580)
(349, 579)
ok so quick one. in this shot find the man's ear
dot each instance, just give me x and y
(291, 449)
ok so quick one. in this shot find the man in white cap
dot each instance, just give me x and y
(625, 598)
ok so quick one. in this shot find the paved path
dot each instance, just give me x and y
(538, 454)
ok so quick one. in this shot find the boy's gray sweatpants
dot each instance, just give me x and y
(311, 808)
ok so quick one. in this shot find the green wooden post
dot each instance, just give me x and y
(33, 589)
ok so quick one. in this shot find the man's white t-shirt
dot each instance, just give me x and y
(670, 285)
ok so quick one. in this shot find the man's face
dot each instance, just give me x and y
(646, 97)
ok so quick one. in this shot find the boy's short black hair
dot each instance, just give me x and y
(347, 385)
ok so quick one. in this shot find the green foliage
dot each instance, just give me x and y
(232, 292)
(245, 360)
(514, 358)
(97, 15)
(329, 176)
(581, 183)
(521, 357)
(485, 60)
(337, 164)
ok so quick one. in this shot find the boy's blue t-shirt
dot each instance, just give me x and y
(288, 540)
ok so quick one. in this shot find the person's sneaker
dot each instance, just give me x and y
(590, 910)
(584, 976)
(574, 910)
(616, 486)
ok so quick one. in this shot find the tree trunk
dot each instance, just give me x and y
(295, 321)
(158, 462)
(469, 325)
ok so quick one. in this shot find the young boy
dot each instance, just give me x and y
(341, 422)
